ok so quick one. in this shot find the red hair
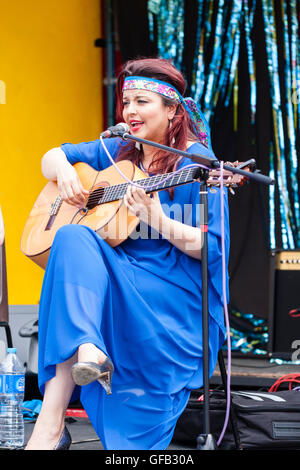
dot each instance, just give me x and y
(181, 129)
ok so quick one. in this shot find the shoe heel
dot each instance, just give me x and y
(105, 381)
(65, 440)
(84, 373)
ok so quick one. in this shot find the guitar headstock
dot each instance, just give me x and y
(230, 179)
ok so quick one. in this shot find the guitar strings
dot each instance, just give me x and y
(111, 193)
(117, 191)
(144, 183)
(107, 194)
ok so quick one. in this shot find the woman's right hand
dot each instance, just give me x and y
(69, 184)
(56, 167)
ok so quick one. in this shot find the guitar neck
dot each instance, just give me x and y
(151, 184)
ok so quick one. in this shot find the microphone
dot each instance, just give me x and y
(117, 130)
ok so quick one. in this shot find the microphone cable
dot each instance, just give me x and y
(224, 288)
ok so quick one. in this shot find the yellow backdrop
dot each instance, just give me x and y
(51, 75)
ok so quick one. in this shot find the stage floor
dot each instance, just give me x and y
(84, 436)
(81, 430)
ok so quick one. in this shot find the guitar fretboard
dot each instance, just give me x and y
(151, 184)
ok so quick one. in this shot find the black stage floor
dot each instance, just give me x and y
(246, 373)
(84, 436)
(81, 430)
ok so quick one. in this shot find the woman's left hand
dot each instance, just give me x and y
(147, 209)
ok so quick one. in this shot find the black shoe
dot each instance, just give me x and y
(65, 440)
(84, 373)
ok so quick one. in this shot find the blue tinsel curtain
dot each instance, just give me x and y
(215, 82)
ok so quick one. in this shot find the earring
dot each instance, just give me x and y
(138, 146)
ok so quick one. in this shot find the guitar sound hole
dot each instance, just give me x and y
(95, 198)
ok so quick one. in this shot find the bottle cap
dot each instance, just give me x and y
(11, 350)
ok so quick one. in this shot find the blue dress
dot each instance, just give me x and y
(140, 303)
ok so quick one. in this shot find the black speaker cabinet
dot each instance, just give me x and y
(284, 313)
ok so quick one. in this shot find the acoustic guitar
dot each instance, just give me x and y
(104, 210)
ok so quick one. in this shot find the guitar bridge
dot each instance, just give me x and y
(55, 206)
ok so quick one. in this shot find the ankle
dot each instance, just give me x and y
(52, 422)
(46, 433)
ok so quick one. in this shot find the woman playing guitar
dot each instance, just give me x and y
(122, 325)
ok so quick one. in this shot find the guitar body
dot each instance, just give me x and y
(112, 220)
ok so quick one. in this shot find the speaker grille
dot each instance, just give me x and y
(284, 317)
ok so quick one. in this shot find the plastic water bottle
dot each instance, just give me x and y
(12, 386)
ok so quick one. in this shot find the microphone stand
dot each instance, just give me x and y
(205, 441)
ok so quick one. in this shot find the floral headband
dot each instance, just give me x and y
(165, 89)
